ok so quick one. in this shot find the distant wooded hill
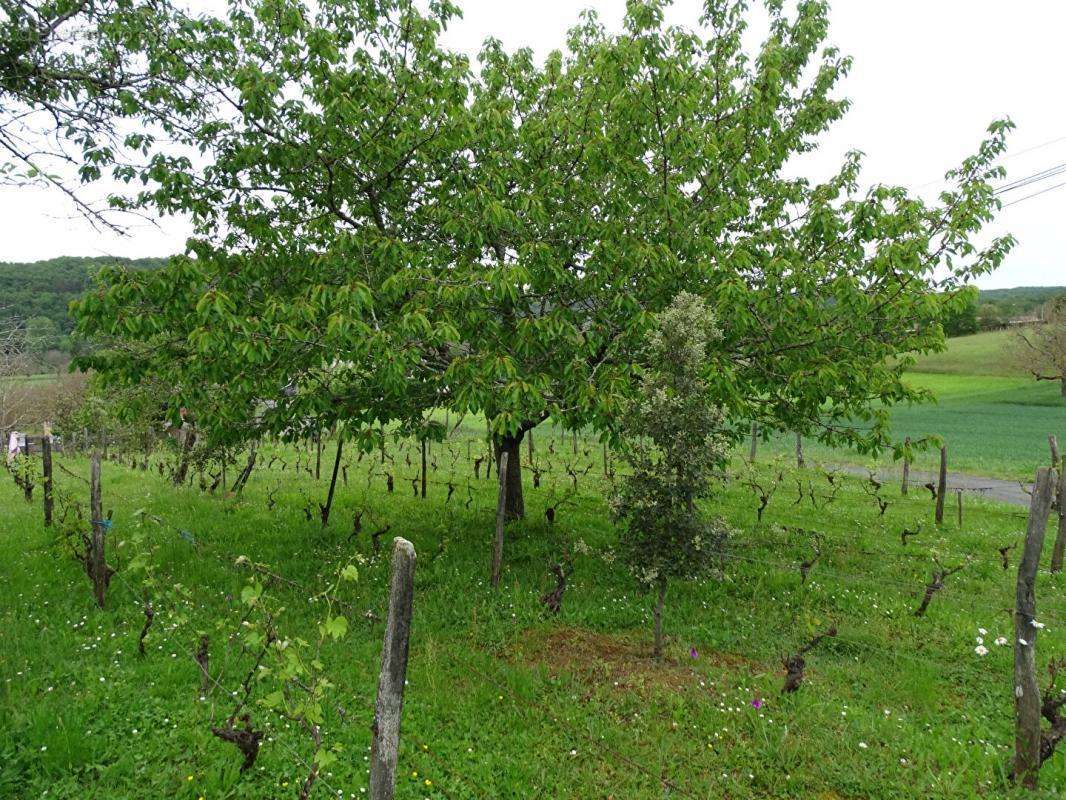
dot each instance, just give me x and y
(1021, 300)
(41, 290)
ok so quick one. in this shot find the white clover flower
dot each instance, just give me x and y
(982, 631)
(1023, 643)
(981, 650)
(1035, 624)
(1001, 641)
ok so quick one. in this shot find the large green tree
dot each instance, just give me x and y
(382, 229)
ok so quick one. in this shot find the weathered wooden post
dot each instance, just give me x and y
(385, 747)
(1060, 536)
(97, 559)
(575, 440)
(1059, 504)
(754, 441)
(958, 493)
(529, 443)
(906, 465)
(501, 512)
(46, 468)
(1026, 690)
(800, 462)
(942, 485)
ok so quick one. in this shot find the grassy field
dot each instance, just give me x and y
(994, 418)
(994, 426)
(991, 353)
(505, 700)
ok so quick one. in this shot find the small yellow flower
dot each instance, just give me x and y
(425, 747)
(189, 778)
(428, 782)
(414, 774)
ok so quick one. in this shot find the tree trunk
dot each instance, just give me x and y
(423, 469)
(660, 601)
(1062, 387)
(242, 478)
(516, 507)
(188, 441)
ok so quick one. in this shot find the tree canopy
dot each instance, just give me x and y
(384, 228)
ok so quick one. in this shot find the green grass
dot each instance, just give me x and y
(990, 353)
(504, 701)
(993, 426)
(994, 418)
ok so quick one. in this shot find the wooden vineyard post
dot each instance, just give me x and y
(97, 560)
(1060, 536)
(46, 467)
(906, 465)
(1059, 504)
(958, 493)
(1026, 690)
(529, 443)
(388, 711)
(501, 511)
(942, 485)
(800, 462)
(754, 442)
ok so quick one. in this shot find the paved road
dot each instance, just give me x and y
(997, 489)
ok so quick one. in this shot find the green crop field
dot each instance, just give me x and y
(504, 699)
(994, 419)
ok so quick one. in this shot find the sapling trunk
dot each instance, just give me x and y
(332, 482)
(660, 601)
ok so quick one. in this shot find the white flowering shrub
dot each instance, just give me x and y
(675, 452)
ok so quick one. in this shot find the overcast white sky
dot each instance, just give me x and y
(929, 76)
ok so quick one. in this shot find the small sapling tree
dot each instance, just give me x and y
(675, 450)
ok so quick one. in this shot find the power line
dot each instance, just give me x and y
(1034, 194)
(1036, 177)
(1007, 157)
